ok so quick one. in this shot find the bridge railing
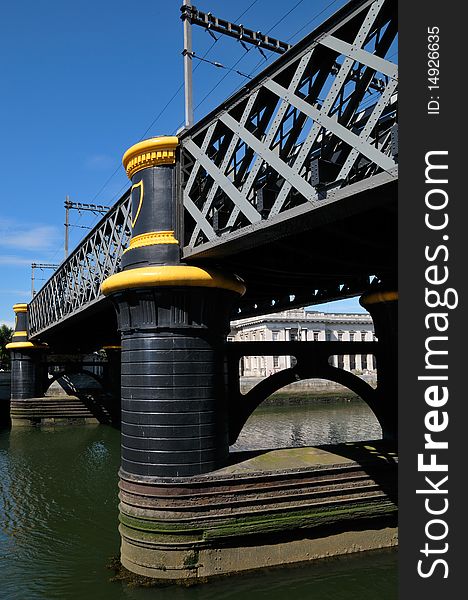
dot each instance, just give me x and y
(317, 126)
(320, 118)
(76, 283)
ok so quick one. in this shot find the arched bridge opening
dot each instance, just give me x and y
(308, 414)
(311, 361)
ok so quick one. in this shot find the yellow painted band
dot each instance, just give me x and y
(155, 151)
(29, 345)
(177, 275)
(112, 347)
(142, 193)
(152, 238)
(20, 308)
(377, 297)
(18, 333)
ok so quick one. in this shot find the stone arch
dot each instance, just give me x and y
(254, 398)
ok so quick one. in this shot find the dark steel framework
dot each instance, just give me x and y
(317, 127)
(306, 132)
(75, 286)
(312, 362)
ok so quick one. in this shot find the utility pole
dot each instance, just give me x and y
(79, 206)
(39, 266)
(192, 16)
(188, 66)
(67, 209)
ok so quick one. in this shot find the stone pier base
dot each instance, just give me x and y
(266, 509)
(57, 410)
(210, 562)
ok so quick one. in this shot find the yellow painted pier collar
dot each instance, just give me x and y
(175, 276)
(148, 153)
(25, 346)
(20, 308)
(378, 297)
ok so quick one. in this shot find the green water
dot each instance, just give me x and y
(58, 524)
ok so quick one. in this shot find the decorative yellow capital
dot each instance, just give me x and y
(20, 339)
(155, 151)
(378, 297)
(20, 308)
(26, 346)
(171, 276)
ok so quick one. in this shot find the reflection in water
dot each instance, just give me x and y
(309, 425)
(58, 500)
(58, 515)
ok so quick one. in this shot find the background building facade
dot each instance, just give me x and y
(302, 325)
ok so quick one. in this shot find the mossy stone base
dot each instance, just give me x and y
(263, 510)
(213, 561)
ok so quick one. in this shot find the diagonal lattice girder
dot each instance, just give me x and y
(75, 285)
(316, 127)
(318, 120)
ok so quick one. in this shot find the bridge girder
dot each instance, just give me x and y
(284, 171)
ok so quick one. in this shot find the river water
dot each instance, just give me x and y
(58, 515)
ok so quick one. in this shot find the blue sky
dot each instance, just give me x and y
(82, 82)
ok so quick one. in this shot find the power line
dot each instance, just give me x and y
(312, 20)
(217, 64)
(40, 266)
(162, 111)
(246, 10)
(102, 188)
(232, 68)
(219, 82)
(296, 33)
(285, 15)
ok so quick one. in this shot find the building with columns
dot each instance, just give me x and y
(302, 325)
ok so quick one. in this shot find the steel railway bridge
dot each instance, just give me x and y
(284, 196)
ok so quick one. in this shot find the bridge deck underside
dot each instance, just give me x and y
(312, 259)
(291, 183)
(318, 256)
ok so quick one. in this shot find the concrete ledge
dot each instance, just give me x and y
(208, 562)
(310, 388)
(55, 410)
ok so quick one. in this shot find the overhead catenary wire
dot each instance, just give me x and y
(219, 82)
(229, 69)
(168, 103)
(247, 50)
(218, 64)
(311, 20)
(284, 16)
(261, 63)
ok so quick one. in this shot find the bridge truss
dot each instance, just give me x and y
(75, 286)
(319, 120)
(316, 129)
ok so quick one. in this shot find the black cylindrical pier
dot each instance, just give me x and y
(173, 320)
(27, 368)
(174, 414)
